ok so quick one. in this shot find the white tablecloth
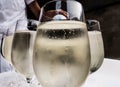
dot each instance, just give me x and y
(13, 79)
(107, 76)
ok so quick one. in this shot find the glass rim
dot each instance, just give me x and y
(57, 10)
(31, 24)
(93, 20)
(96, 23)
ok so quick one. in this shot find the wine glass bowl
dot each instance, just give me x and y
(96, 44)
(6, 47)
(6, 44)
(61, 53)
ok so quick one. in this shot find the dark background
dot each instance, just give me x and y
(108, 13)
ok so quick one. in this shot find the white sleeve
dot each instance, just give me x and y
(29, 1)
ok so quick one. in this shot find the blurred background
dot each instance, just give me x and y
(107, 12)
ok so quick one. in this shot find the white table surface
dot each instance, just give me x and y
(107, 76)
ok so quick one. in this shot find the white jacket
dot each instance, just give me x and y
(10, 12)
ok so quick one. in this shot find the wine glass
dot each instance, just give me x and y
(61, 54)
(6, 43)
(96, 44)
(22, 50)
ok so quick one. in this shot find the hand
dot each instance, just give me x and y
(49, 15)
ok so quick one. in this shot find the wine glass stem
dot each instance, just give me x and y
(28, 80)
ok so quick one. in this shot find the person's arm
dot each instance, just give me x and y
(35, 8)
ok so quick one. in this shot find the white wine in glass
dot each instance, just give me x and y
(6, 47)
(96, 45)
(61, 56)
